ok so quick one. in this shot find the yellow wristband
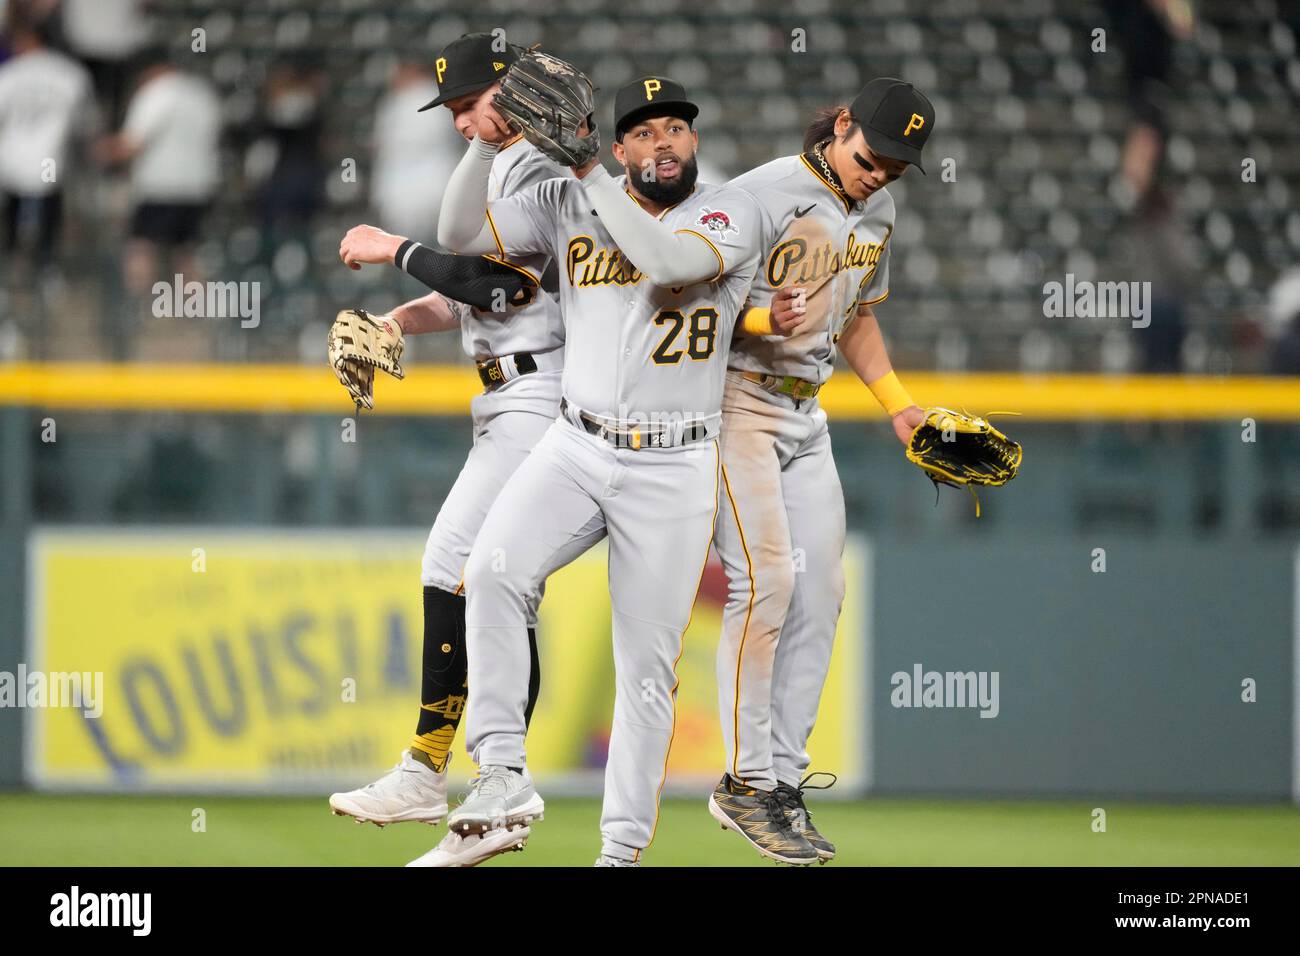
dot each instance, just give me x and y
(891, 395)
(756, 321)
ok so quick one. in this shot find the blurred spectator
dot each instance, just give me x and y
(106, 35)
(414, 155)
(171, 139)
(295, 190)
(1284, 324)
(46, 104)
(1159, 240)
(35, 14)
(1146, 32)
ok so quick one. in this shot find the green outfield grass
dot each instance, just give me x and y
(42, 830)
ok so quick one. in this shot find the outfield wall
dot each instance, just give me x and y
(1123, 682)
(1127, 681)
(289, 661)
(230, 671)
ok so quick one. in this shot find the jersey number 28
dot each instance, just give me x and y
(700, 338)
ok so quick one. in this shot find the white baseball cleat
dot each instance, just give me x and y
(498, 798)
(457, 850)
(410, 792)
(604, 860)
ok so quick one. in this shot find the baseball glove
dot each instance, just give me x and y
(547, 100)
(359, 343)
(962, 450)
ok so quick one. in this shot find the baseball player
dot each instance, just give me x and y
(519, 353)
(781, 525)
(655, 270)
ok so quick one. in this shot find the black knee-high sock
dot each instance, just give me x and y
(443, 676)
(534, 676)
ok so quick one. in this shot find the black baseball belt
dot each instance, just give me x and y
(493, 374)
(636, 437)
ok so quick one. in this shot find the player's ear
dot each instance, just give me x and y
(842, 122)
(619, 152)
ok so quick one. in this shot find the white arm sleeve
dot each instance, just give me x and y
(462, 223)
(667, 258)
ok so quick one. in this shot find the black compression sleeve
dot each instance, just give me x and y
(473, 280)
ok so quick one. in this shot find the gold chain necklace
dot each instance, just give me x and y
(819, 154)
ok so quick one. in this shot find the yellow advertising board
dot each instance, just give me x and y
(290, 661)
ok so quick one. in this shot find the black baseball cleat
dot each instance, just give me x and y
(760, 817)
(791, 799)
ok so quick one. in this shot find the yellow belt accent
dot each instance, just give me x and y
(784, 384)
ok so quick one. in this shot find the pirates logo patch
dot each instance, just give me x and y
(717, 222)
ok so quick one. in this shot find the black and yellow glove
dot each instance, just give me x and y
(961, 450)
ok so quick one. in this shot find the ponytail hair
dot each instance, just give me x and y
(822, 126)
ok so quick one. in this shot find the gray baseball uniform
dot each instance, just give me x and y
(510, 420)
(634, 457)
(780, 529)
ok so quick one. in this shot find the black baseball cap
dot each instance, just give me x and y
(896, 118)
(650, 96)
(469, 65)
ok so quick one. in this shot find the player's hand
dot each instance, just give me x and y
(492, 126)
(580, 172)
(905, 423)
(788, 308)
(368, 244)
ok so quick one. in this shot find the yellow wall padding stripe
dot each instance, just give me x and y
(429, 390)
(447, 390)
(1080, 397)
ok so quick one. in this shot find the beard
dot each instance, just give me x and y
(668, 193)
